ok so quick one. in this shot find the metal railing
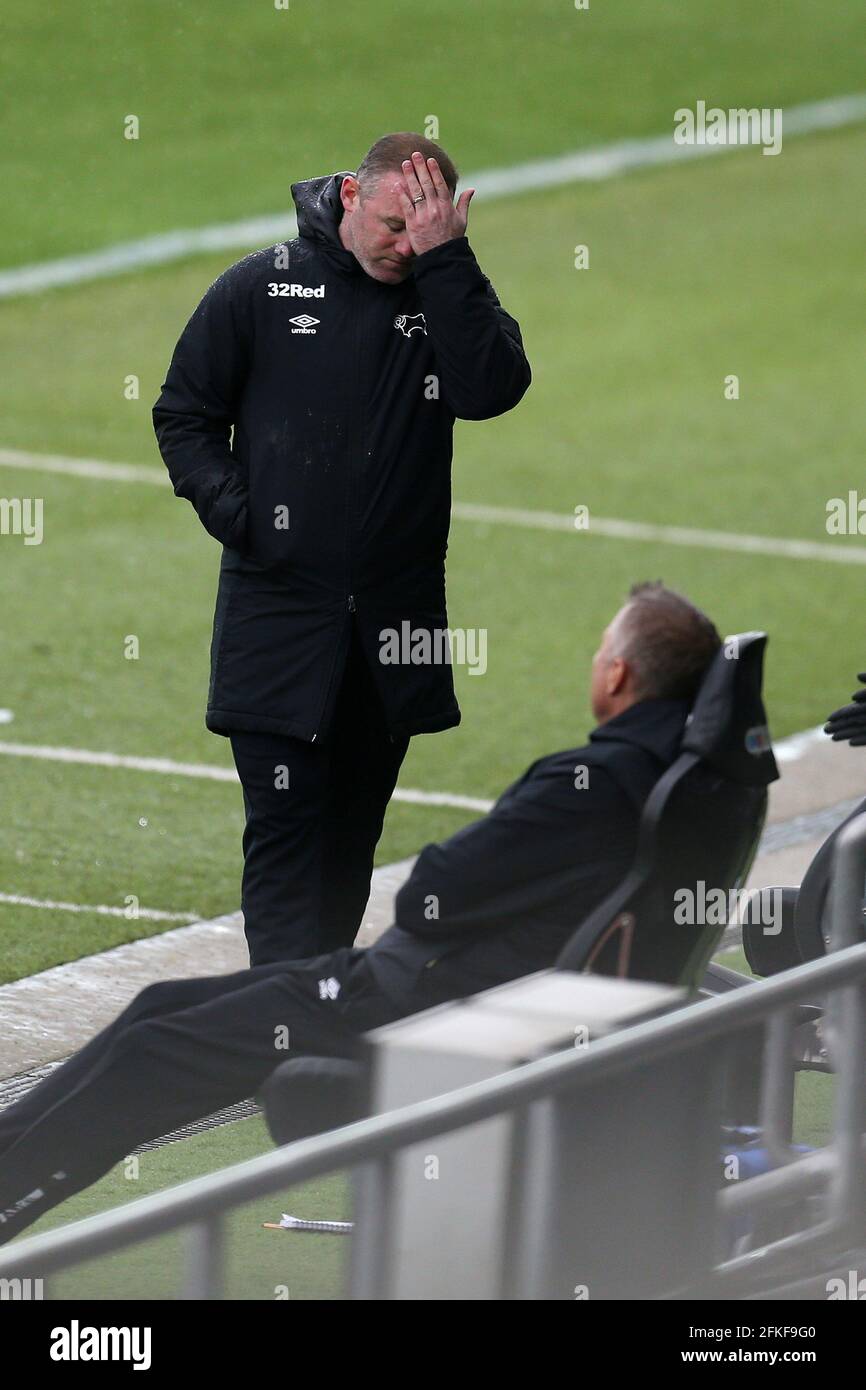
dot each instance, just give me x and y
(836, 1171)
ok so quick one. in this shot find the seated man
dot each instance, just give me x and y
(495, 902)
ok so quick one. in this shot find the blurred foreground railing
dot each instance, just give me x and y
(540, 1236)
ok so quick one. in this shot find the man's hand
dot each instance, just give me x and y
(431, 217)
(848, 724)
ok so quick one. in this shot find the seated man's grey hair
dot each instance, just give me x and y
(666, 640)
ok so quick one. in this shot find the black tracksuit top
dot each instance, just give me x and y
(502, 896)
(332, 495)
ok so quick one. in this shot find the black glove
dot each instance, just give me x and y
(848, 724)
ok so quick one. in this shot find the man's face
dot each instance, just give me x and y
(372, 228)
(600, 681)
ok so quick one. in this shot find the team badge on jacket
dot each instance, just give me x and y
(407, 323)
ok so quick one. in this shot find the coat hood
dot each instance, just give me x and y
(319, 214)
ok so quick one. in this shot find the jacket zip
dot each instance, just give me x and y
(350, 599)
(355, 440)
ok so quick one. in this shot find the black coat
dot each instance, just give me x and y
(332, 499)
(500, 899)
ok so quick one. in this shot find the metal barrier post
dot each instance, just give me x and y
(204, 1260)
(847, 1205)
(777, 1087)
(369, 1270)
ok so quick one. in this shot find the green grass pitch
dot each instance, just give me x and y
(737, 264)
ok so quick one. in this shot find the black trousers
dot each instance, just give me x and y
(314, 817)
(180, 1051)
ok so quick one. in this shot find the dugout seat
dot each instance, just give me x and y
(700, 826)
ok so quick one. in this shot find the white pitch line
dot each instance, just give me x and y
(161, 249)
(601, 162)
(209, 771)
(668, 535)
(92, 758)
(463, 803)
(786, 750)
(150, 914)
(502, 516)
(83, 468)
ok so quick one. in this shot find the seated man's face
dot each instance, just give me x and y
(609, 676)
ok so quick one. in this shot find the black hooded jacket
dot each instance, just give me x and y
(501, 898)
(332, 494)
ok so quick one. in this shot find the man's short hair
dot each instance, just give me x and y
(666, 640)
(387, 155)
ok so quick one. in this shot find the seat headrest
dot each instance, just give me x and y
(727, 727)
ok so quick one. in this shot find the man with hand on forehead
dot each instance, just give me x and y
(307, 415)
(415, 205)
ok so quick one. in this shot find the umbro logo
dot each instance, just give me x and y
(304, 323)
(407, 323)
